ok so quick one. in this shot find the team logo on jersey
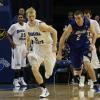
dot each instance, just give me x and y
(20, 31)
(3, 63)
(34, 33)
(80, 32)
(2, 34)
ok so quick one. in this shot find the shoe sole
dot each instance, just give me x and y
(45, 96)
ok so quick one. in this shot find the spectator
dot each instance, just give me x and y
(22, 12)
(70, 16)
(97, 18)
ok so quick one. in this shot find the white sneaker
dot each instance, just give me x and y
(81, 82)
(44, 93)
(16, 83)
(90, 83)
(22, 82)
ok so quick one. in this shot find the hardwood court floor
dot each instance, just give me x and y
(57, 92)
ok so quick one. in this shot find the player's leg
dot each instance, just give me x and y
(76, 62)
(95, 64)
(16, 66)
(49, 63)
(23, 65)
(22, 73)
(90, 71)
(77, 77)
(35, 62)
(16, 77)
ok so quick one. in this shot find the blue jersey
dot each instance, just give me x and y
(79, 35)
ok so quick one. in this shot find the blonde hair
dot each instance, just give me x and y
(30, 11)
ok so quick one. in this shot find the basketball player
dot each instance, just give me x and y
(43, 40)
(94, 60)
(17, 32)
(80, 48)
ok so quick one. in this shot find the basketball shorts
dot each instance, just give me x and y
(42, 54)
(78, 56)
(18, 58)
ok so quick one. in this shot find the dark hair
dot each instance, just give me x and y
(78, 12)
(21, 15)
(70, 13)
(86, 11)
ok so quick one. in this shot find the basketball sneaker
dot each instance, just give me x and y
(22, 82)
(96, 88)
(45, 93)
(81, 81)
(16, 83)
(90, 83)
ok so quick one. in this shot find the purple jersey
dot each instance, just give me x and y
(79, 43)
(79, 35)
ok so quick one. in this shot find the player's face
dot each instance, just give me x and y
(97, 18)
(21, 11)
(31, 17)
(87, 15)
(20, 19)
(79, 19)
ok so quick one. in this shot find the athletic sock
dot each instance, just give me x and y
(95, 82)
(16, 74)
(21, 72)
(42, 85)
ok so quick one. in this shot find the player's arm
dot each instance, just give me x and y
(28, 42)
(98, 35)
(46, 28)
(97, 29)
(10, 33)
(11, 40)
(93, 34)
(64, 37)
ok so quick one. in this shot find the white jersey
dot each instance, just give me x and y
(18, 33)
(41, 52)
(94, 60)
(37, 36)
(95, 25)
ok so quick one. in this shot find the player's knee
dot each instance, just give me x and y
(77, 71)
(86, 64)
(48, 74)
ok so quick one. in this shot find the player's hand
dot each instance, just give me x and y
(25, 53)
(13, 45)
(59, 55)
(91, 47)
